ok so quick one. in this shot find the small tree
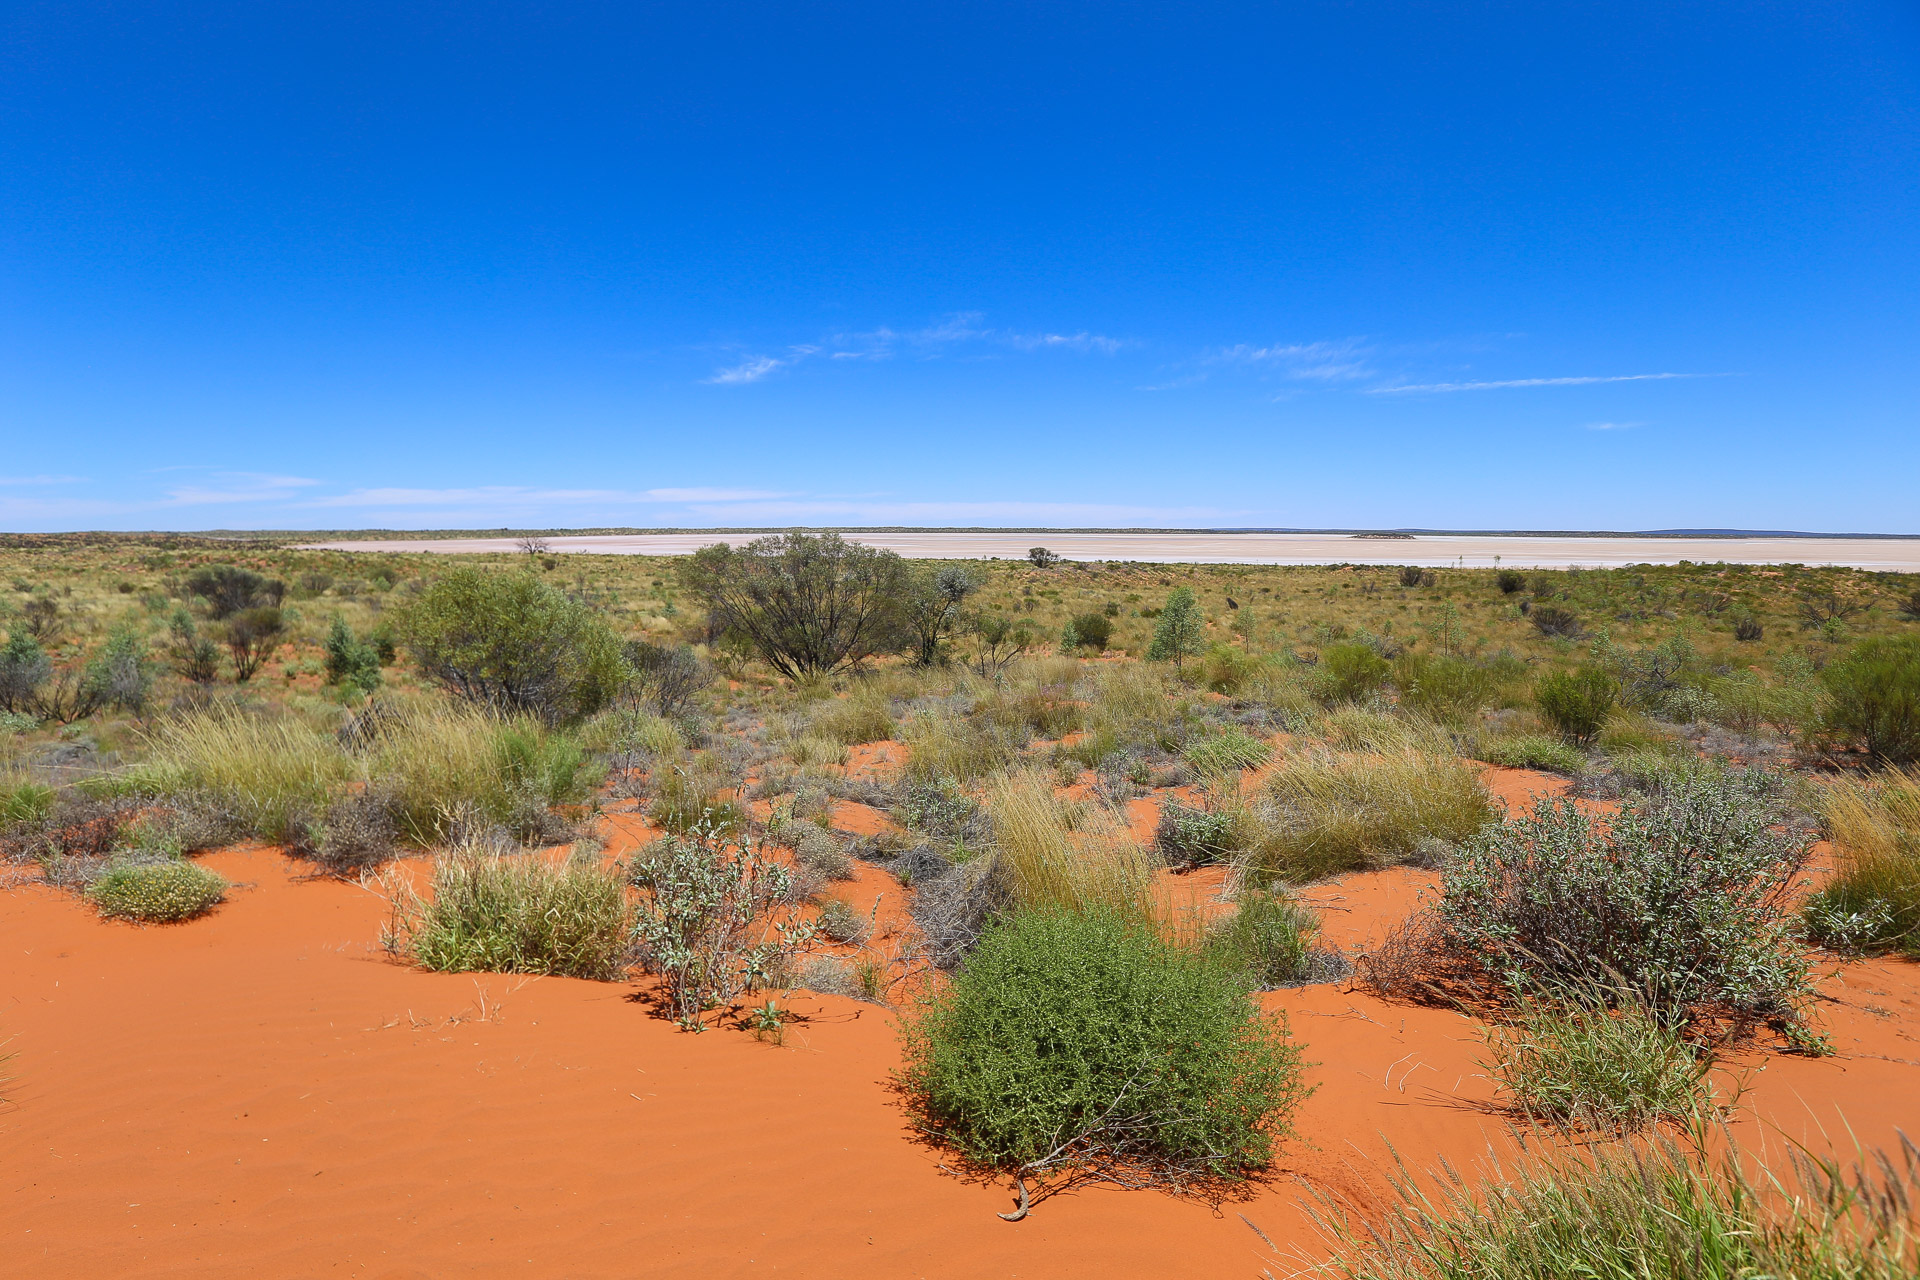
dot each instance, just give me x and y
(1180, 632)
(932, 606)
(1041, 558)
(1873, 698)
(999, 641)
(809, 604)
(668, 678)
(121, 674)
(24, 667)
(253, 635)
(510, 641)
(1088, 630)
(228, 589)
(194, 656)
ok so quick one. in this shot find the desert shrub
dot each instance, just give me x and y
(1045, 862)
(808, 604)
(843, 923)
(1382, 732)
(194, 656)
(121, 673)
(1873, 900)
(350, 661)
(1413, 575)
(229, 589)
(1630, 733)
(819, 851)
(930, 607)
(1650, 1210)
(1576, 702)
(1534, 751)
(157, 892)
(1349, 673)
(692, 793)
(1682, 898)
(253, 636)
(356, 835)
(1873, 698)
(1272, 939)
(24, 667)
(704, 921)
(942, 810)
(1085, 1045)
(1189, 835)
(440, 764)
(1555, 622)
(1582, 1058)
(1226, 752)
(1510, 581)
(272, 773)
(1328, 814)
(514, 914)
(1747, 629)
(510, 642)
(1087, 630)
(665, 678)
(828, 976)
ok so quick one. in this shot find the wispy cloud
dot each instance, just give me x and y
(39, 480)
(1313, 361)
(884, 343)
(1613, 426)
(1535, 382)
(238, 486)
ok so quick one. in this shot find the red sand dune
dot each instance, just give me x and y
(263, 1093)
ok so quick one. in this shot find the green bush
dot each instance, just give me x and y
(515, 914)
(1087, 630)
(1576, 702)
(1349, 672)
(1228, 751)
(1443, 687)
(1873, 698)
(1180, 630)
(157, 892)
(349, 660)
(510, 642)
(1085, 1043)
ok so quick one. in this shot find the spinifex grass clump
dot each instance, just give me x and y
(1651, 1210)
(271, 772)
(1043, 860)
(1873, 901)
(1085, 1045)
(1592, 1057)
(1325, 814)
(514, 914)
(1275, 941)
(157, 892)
(1683, 898)
(435, 762)
(1533, 751)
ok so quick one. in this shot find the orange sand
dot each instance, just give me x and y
(262, 1093)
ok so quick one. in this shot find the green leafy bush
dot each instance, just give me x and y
(157, 892)
(1873, 698)
(514, 914)
(1445, 687)
(1084, 1043)
(1087, 630)
(1180, 631)
(1349, 672)
(350, 661)
(510, 642)
(1576, 702)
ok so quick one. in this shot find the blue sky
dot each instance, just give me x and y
(1352, 265)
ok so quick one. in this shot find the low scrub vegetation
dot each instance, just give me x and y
(157, 892)
(1083, 1045)
(1274, 941)
(1323, 813)
(513, 913)
(1872, 903)
(1660, 1209)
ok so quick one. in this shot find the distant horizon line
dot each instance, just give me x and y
(605, 531)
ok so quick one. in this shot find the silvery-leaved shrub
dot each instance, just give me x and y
(1684, 897)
